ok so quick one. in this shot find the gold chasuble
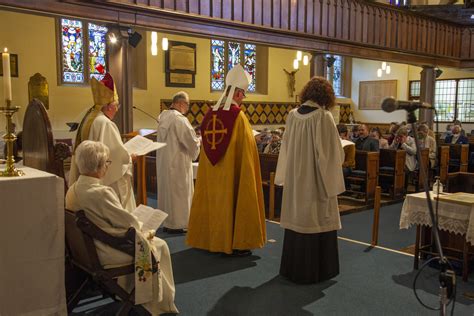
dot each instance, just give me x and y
(227, 211)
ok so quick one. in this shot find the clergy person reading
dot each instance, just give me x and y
(174, 164)
(103, 207)
(227, 212)
(309, 167)
(97, 125)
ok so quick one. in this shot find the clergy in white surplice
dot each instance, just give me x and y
(174, 163)
(309, 168)
(155, 291)
(97, 125)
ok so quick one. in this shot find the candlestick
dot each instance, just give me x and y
(7, 83)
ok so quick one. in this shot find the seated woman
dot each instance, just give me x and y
(102, 206)
(375, 133)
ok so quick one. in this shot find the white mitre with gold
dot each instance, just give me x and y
(236, 78)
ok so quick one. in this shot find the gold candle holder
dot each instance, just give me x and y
(10, 138)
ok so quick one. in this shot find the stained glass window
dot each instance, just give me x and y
(224, 55)
(233, 54)
(97, 49)
(335, 73)
(250, 63)
(72, 39)
(218, 65)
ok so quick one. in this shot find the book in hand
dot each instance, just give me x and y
(140, 146)
(151, 218)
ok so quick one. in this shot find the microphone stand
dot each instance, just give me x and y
(147, 114)
(446, 275)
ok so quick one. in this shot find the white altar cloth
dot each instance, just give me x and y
(32, 244)
(454, 218)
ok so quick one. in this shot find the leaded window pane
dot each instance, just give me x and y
(466, 100)
(218, 65)
(445, 100)
(97, 49)
(72, 51)
(250, 64)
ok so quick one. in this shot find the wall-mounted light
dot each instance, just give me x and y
(379, 72)
(112, 38)
(296, 64)
(384, 65)
(388, 69)
(154, 43)
(305, 60)
(299, 55)
(164, 43)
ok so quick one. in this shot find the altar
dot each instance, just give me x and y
(32, 247)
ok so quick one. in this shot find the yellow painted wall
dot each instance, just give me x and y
(33, 38)
(366, 70)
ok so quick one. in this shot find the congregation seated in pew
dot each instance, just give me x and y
(456, 136)
(364, 141)
(349, 152)
(102, 206)
(407, 143)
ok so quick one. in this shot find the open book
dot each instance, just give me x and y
(150, 217)
(140, 145)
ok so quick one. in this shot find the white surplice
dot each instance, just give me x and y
(174, 167)
(309, 167)
(120, 172)
(102, 206)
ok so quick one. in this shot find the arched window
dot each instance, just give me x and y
(226, 54)
(83, 48)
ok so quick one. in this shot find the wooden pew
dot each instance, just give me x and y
(458, 157)
(391, 170)
(366, 173)
(443, 162)
(268, 165)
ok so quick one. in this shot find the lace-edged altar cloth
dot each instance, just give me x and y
(452, 217)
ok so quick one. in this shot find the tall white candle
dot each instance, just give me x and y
(7, 82)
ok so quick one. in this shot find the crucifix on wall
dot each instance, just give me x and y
(291, 81)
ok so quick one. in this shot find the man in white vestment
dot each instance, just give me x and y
(174, 164)
(97, 125)
(102, 206)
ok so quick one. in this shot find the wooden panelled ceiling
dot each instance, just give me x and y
(347, 27)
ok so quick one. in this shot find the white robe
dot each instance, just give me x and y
(174, 167)
(309, 166)
(120, 172)
(102, 206)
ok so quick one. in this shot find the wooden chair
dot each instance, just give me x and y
(268, 165)
(366, 173)
(39, 150)
(391, 171)
(80, 236)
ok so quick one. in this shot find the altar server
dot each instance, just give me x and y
(174, 163)
(309, 166)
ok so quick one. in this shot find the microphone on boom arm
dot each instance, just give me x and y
(390, 104)
(146, 113)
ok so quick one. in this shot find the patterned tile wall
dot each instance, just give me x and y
(258, 113)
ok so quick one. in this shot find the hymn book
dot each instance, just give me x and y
(140, 146)
(150, 217)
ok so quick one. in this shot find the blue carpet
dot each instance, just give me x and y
(377, 282)
(358, 226)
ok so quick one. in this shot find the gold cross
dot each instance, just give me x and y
(214, 132)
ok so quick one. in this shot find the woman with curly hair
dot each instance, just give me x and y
(309, 166)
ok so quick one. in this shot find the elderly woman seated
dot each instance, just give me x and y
(102, 206)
